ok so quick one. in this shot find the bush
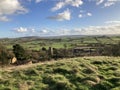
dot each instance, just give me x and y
(20, 53)
(112, 50)
(5, 56)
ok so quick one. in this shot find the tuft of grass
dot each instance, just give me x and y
(58, 82)
(23, 86)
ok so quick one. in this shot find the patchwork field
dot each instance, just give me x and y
(36, 43)
(82, 73)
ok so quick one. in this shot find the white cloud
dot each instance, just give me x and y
(21, 30)
(112, 22)
(58, 6)
(98, 30)
(4, 18)
(38, 1)
(44, 31)
(84, 14)
(74, 3)
(10, 7)
(91, 30)
(106, 3)
(24, 30)
(99, 2)
(89, 14)
(80, 15)
(32, 30)
(109, 3)
(66, 15)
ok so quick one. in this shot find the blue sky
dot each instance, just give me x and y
(19, 18)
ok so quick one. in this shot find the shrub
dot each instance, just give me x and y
(112, 50)
(5, 55)
(20, 53)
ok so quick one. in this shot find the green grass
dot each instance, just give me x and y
(84, 73)
(37, 44)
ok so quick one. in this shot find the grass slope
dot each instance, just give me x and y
(84, 73)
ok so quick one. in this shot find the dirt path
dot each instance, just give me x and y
(26, 66)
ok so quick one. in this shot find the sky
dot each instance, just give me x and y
(21, 18)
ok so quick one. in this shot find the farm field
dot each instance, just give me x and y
(81, 73)
(36, 43)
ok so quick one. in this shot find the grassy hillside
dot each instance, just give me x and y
(84, 73)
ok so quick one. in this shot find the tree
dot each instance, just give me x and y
(116, 49)
(44, 49)
(112, 50)
(20, 53)
(5, 55)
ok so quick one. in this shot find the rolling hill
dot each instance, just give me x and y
(82, 73)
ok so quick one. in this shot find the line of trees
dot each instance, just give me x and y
(23, 55)
(112, 50)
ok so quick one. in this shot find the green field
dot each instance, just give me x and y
(82, 73)
(36, 43)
